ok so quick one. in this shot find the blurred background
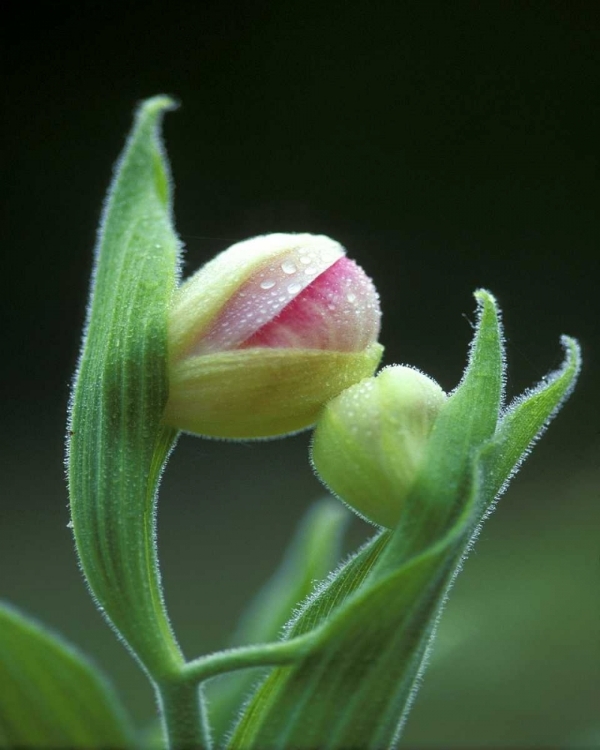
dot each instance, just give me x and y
(448, 146)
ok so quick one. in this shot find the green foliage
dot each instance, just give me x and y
(50, 696)
(118, 445)
(374, 621)
(527, 417)
(346, 669)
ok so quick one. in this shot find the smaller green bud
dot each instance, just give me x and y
(370, 441)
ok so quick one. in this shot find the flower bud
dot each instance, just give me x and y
(265, 334)
(370, 441)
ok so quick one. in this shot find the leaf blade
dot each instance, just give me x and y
(465, 423)
(50, 696)
(118, 445)
(372, 642)
(526, 419)
(360, 659)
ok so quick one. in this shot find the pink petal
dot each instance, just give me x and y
(267, 293)
(339, 311)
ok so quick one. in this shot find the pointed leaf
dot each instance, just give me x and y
(118, 445)
(355, 686)
(465, 423)
(527, 417)
(50, 696)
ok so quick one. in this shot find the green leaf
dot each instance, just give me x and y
(376, 618)
(50, 696)
(313, 554)
(466, 422)
(118, 445)
(354, 687)
(372, 625)
(526, 419)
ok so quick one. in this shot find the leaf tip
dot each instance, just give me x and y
(573, 361)
(572, 349)
(485, 298)
(156, 105)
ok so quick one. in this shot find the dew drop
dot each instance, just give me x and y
(310, 271)
(351, 297)
(305, 259)
(331, 306)
(267, 284)
(288, 267)
(294, 288)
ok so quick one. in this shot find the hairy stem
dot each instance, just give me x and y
(261, 655)
(183, 717)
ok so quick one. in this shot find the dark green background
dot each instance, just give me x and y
(448, 146)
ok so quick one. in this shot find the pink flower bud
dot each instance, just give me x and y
(266, 333)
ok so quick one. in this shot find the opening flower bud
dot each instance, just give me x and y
(265, 334)
(370, 441)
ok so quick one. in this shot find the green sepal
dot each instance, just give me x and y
(261, 392)
(118, 445)
(311, 556)
(50, 695)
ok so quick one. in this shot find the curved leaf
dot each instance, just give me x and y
(376, 619)
(117, 443)
(526, 419)
(355, 687)
(50, 696)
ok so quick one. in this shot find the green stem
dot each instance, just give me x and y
(182, 713)
(261, 655)
(185, 725)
